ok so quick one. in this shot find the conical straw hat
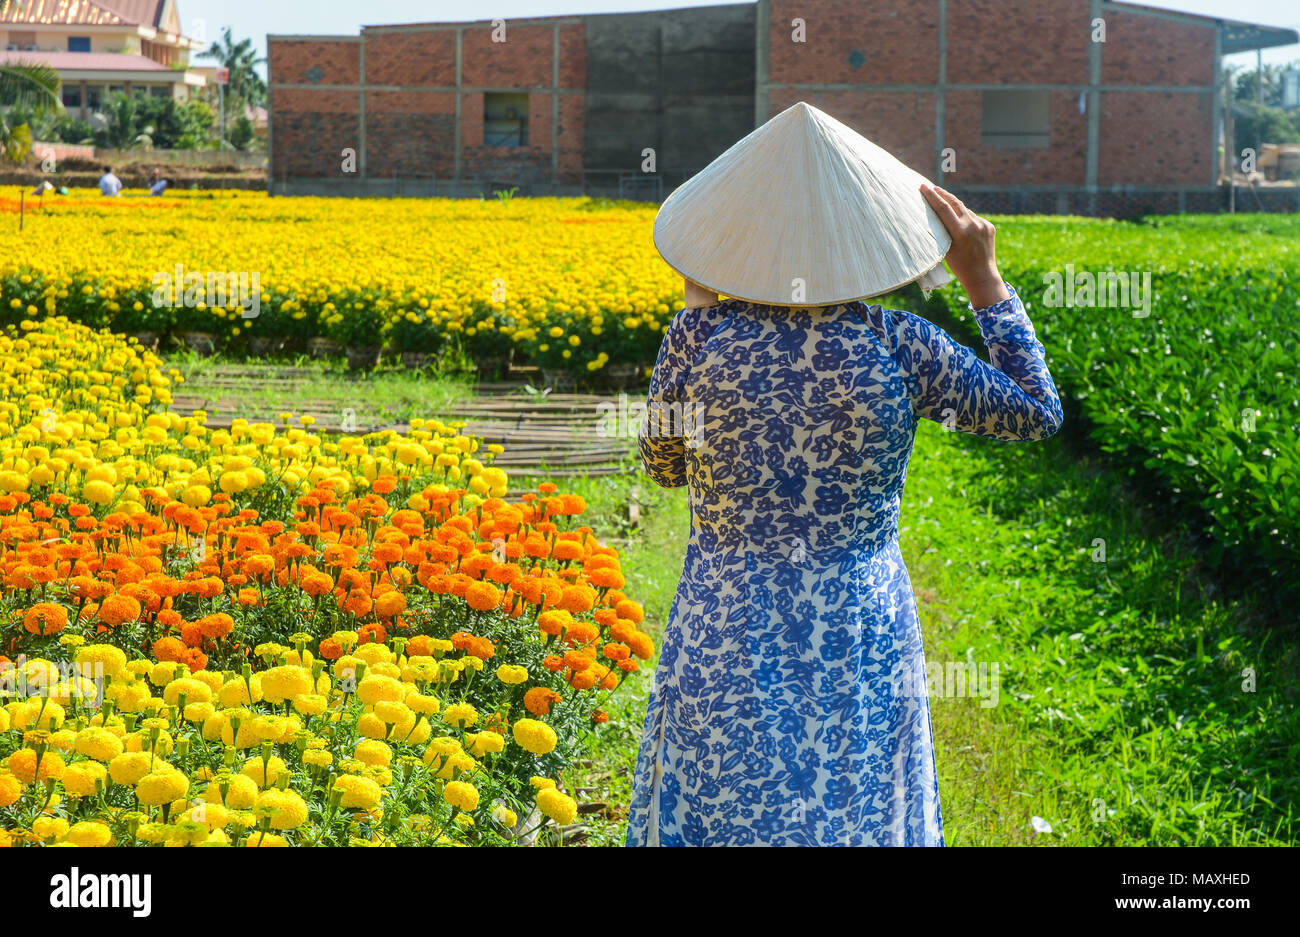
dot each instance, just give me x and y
(803, 202)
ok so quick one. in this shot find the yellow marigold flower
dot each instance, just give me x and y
(541, 783)
(310, 704)
(535, 736)
(375, 687)
(460, 715)
(241, 793)
(98, 743)
(195, 691)
(258, 838)
(130, 767)
(372, 727)
(358, 792)
(485, 743)
(284, 683)
(287, 809)
(89, 833)
(512, 674)
(505, 816)
(264, 775)
(50, 829)
(10, 790)
(95, 660)
(558, 806)
(162, 787)
(461, 795)
(79, 778)
(374, 752)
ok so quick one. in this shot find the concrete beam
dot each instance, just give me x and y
(941, 100)
(1092, 164)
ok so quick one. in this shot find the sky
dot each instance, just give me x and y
(204, 19)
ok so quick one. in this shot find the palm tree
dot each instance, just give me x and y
(32, 88)
(245, 86)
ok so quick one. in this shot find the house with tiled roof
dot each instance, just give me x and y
(102, 46)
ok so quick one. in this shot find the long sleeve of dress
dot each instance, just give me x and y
(662, 437)
(1013, 398)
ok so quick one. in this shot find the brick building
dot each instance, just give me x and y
(1088, 106)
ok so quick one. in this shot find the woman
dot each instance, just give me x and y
(789, 706)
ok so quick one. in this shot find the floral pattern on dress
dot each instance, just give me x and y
(789, 705)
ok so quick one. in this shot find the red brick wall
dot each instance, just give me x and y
(1157, 138)
(1062, 162)
(427, 57)
(310, 130)
(1143, 50)
(899, 41)
(410, 133)
(573, 56)
(524, 60)
(900, 121)
(1018, 41)
(292, 59)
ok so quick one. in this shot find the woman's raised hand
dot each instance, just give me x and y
(972, 257)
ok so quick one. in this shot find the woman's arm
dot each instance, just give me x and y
(1014, 397)
(669, 417)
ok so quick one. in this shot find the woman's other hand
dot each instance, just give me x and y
(972, 257)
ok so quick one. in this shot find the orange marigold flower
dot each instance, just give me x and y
(331, 649)
(630, 610)
(119, 609)
(388, 553)
(581, 632)
(216, 626)
(373, 632)
(642, 645)
(390, 604)
(170, 649)
(45, 618)
(599, 716)
(482, 596)
(567, 550)
(538, 700)
(577, 599)
(553, 662)
(617, 651)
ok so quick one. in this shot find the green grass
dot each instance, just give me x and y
(1122, 718)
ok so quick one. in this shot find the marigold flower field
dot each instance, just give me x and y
(263, 637)
(567, 284)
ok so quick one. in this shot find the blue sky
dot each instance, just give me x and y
(256, 18)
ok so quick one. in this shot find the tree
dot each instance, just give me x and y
(245, 89)
(29, 88)
(1267, 123)
(241, 134)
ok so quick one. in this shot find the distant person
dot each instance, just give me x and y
(157, 184)
(109, 185)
